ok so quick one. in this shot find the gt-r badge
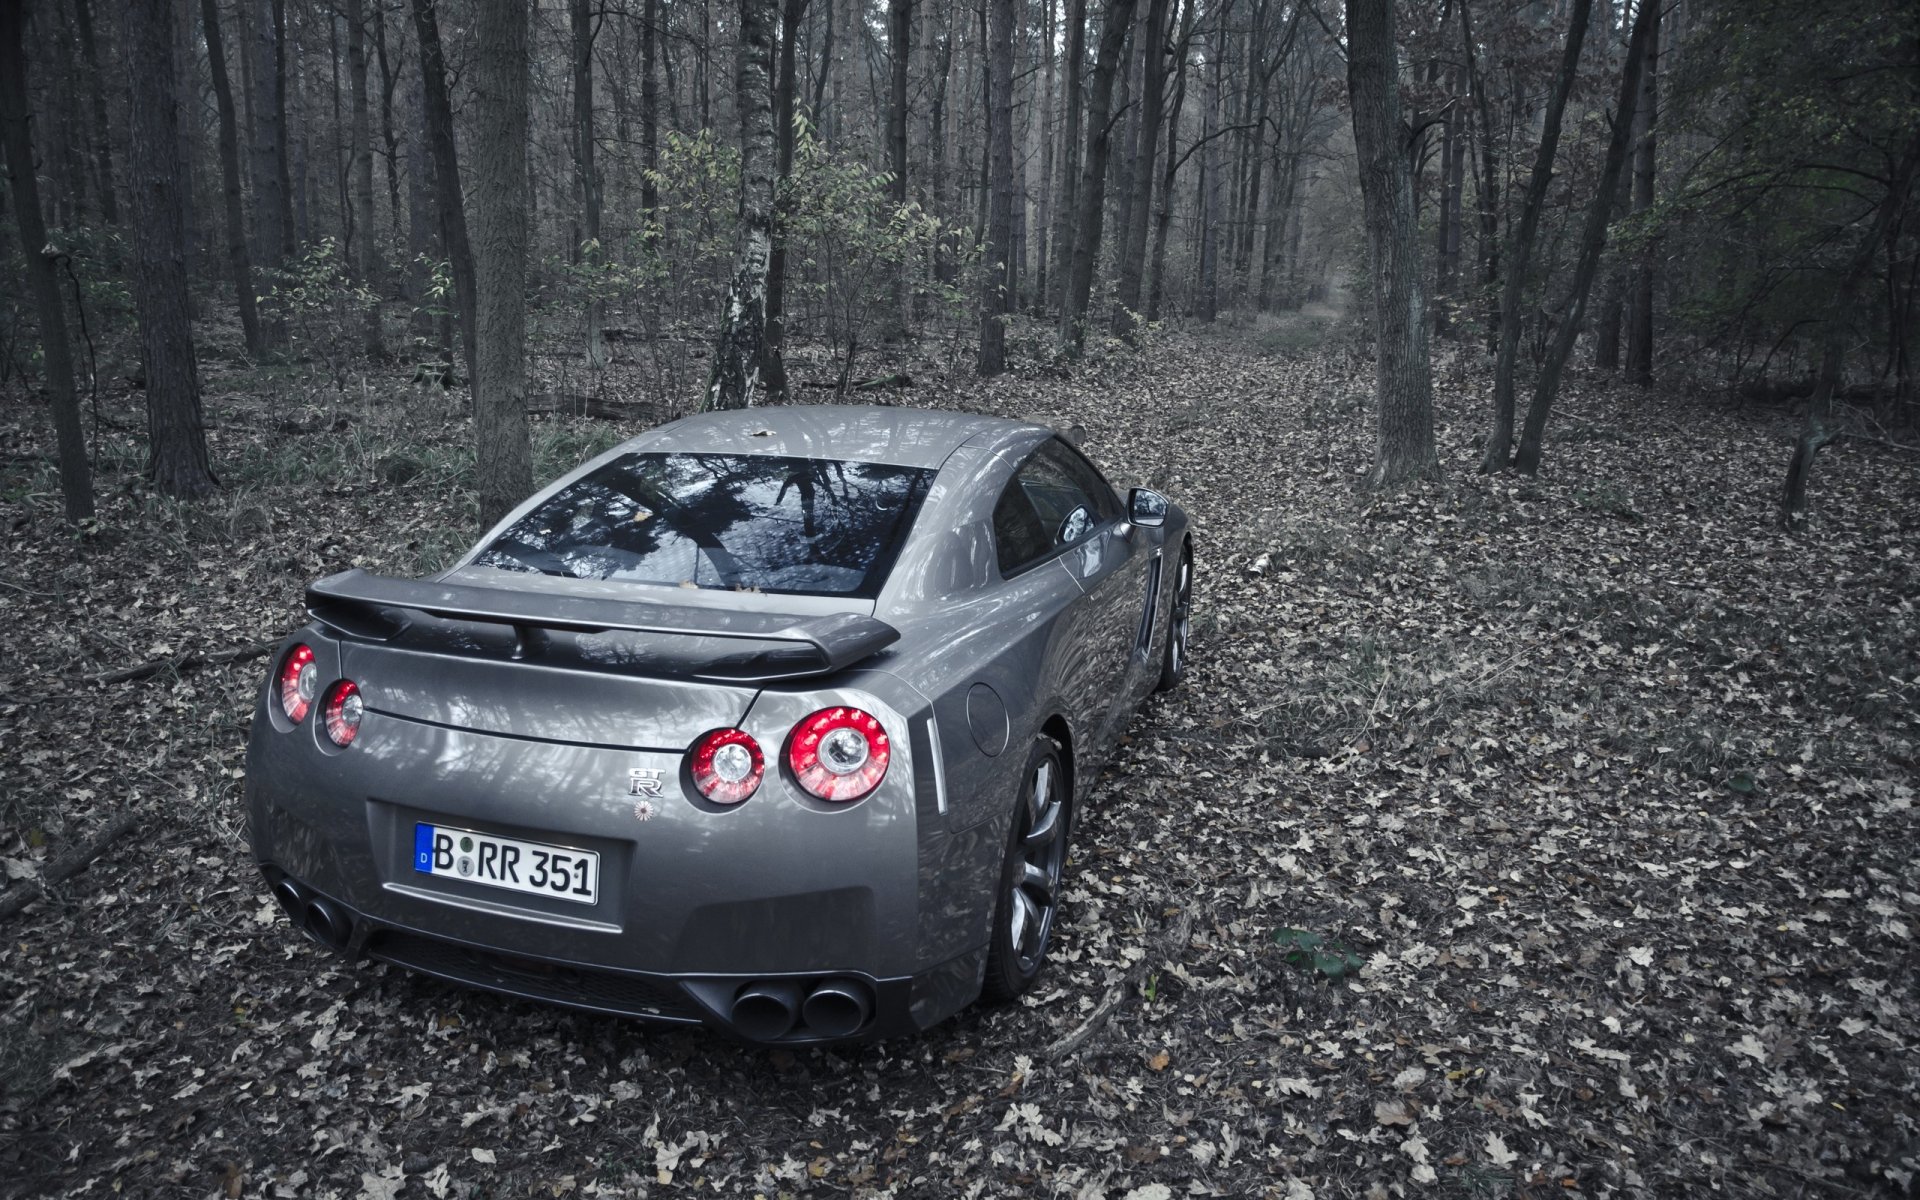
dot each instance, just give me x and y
(643, 781)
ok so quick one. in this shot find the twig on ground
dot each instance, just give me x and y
(1167, 946)
(183, 662)
(67, 866)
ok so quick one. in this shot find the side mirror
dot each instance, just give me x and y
(1146, 507)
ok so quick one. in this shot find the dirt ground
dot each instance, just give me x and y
(1606, 783)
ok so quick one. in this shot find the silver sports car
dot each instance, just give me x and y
(774, 720)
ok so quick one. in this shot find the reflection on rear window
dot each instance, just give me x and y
(743, 522)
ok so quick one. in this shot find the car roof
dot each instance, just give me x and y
(905, 437)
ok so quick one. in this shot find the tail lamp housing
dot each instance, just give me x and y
(299, 682)
(839, 754)
(726, 765)
(342, 712)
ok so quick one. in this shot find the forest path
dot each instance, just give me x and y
(1608, 782)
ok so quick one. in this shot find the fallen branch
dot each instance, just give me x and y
(576, 404)
(1165, 948)
(67, 866)
(183, 662)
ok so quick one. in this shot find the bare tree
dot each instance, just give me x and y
(1090, 196)
(1066, 213)
(504, 460)
(268, 153)
(1133, 235)
(16, 137)
(1639, 307)
(1520, 252)
(792, 12)
(899, 53)
(446, 173)
(239, 260)
(1593, 239)
(177, 439)
(1403, 374)
(587, 252)
(996, 297)
(738, 358)
(366, 245)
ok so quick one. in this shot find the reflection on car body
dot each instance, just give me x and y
(776, 721)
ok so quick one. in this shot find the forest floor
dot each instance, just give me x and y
(1609, 782)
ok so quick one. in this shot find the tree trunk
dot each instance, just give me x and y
(1066, 213)
(588, 254)
(1488, 185)
(1043, 203)
(1640, 293)
(389, 138)
(177, 442)
(1520, 252)
(446, 176)
(1163, 213)
(1447, 223)
(97, 98)
(367, 264)
(1403, 375)
(649, 109)
(1820, 428)
(773, 361)
(16, 138)
(422, 226)
(996, 301)
(1206, 304)
(267, 149)
(899, 51)
(503, 469)
(1133, 236)
(739, 351)
(239, 262)
(1091, 194)
(289, 245)
(1593, 240)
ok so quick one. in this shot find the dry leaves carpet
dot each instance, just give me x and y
(1610, 784)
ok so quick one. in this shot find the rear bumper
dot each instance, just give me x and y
(862, 1008)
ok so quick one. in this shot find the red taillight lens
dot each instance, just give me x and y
(839, 754)
(726, 765)
(299, 680)
(342, 711)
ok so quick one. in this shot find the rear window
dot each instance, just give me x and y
(731, 522)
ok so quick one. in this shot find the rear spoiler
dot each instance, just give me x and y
(771, 646)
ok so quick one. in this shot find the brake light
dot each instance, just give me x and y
(839, 754)
(726, 765)
(299, 680)
(343, 711)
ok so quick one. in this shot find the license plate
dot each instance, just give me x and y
(534, 868)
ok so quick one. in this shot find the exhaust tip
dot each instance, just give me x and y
(837, 1008)
(327, 924)
(766, 1010)
(291, 898)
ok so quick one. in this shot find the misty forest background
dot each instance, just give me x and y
(1537, 818)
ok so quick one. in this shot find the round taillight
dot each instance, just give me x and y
(299, 680)
(726, 765)
(343, 711)
(839, 754)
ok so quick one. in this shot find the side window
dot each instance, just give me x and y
(1016, 530)
(1054, 500)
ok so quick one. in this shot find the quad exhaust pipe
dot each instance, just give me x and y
(319, 918)
(770, 1009)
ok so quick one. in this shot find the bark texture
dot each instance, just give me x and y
(366, 245)
(16, 137)
(1133, 234)
(446, 173)
(504, 462)
(1090, 196)
(176, 438)
(1403, 379)
(996, 297)
(737, 380)
(1593, 240)
(239, 261)
(1520, 253)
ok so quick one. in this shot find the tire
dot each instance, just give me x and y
(1173, 661)
(1027, 895)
